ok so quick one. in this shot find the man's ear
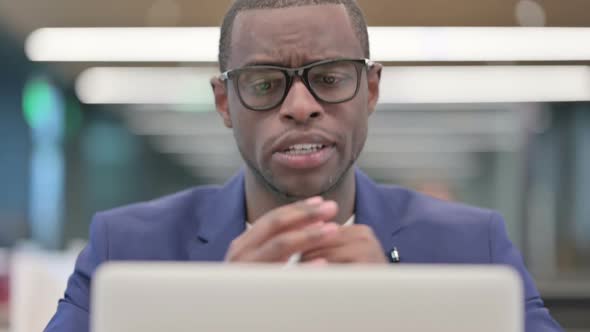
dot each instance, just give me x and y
(373, 80)
(221, 102)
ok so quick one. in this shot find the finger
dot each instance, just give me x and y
(316, 262)
(348, 254)
(346, 237)
(240, 246)
(357, 244)
(289, 217)
(342, 237)
(338, 255)
(281, 247)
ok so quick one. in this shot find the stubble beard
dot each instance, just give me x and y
(266, 178)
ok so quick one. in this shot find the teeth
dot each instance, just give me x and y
(304, 148)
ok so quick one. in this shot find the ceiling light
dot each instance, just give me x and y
(399, 85)
(387, 44)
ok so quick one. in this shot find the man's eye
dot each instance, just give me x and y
(329, 79)
(263, 86)
(260, 87)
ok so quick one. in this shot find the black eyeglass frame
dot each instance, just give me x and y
(302, 73)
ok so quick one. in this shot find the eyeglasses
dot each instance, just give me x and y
(262, 88)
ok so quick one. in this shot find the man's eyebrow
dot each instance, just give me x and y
(255, 63)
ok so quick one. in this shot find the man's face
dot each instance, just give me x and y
(269, 140)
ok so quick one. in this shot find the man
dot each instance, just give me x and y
(297, 90)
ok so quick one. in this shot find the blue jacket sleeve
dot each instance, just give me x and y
(537, 317)
(72, 311)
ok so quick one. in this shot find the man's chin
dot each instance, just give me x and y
(299, 195)
(298, 187)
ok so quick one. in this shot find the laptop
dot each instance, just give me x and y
(183, 297)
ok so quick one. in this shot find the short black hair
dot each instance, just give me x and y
(354, 12)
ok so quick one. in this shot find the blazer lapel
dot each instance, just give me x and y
(221, 218)
(377, 209)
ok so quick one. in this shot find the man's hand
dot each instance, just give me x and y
(298, 227)
(353, 244)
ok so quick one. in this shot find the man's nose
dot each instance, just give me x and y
(300, 105)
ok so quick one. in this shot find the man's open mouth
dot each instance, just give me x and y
(302, 149)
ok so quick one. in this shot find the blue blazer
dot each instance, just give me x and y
(200, 223)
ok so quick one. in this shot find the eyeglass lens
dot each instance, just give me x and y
(266, 87)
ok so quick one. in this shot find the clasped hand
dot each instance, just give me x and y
(304, 228)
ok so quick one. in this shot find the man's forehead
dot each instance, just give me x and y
(293, 36)
(307, 14)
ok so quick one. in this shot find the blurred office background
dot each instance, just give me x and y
(94, 119)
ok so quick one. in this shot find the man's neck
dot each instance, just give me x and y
(260, 199)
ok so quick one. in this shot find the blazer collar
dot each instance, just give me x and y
(222, 215)
(377, 208)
